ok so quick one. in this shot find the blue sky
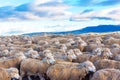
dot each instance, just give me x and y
(24, 16)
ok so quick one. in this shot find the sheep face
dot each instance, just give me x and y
(107, 52)
(50, 60)
(63, 47)
(71, 54)
(49, 57)
(47, 53)
(83, 43)
(89, 66)
(77, 52)
(97, 51)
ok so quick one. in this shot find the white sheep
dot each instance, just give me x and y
(106, 74)
(9, 74)
(70, 71)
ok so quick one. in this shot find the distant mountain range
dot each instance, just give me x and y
(95, 29)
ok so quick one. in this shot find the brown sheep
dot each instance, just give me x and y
(13, 61)
(111, 40)
(9, 74)
(106, 74)
(35, 67)
(79, 43)
(90, 47)
(105, 63)
(102, 54)
(70, 55)
(115, 52)
(69, 71)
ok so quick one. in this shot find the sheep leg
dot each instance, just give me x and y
(21, 77)
(29, 78)
(40, 76)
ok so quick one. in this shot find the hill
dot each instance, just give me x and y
(98, 29)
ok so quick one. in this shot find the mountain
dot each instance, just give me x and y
(98, 29)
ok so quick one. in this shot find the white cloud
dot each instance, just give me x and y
(109, 14)
(36, 10)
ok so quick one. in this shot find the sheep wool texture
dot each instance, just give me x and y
(10, 62)
(4, 75)
(66, 72)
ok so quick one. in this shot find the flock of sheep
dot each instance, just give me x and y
(89, 56)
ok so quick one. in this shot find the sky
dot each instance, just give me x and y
(26, 16)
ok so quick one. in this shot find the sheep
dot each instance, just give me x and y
(71, 41)
(106, 74)
(36, 67)
(97, 51)
(81, 45)
(70, 71)
(90, 47)
(77, 52)
(105, 63)
(115, 46)
(63, 47)
(96, 40)
(32, 54)
(115, 52)
(103, 54)
(9, 74)
(12, 61)
(106, 53)
(111, 40)
(117, 57)
(4, 53)
(70, 55)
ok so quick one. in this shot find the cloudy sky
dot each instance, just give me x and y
(24, 16)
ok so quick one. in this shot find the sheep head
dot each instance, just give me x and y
(97, 51)
(89, 66)
(77, 52)
(49, 57)
(107, 53)
(14, 73)
(71, 55)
